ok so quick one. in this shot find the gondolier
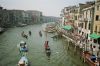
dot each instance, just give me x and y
(46, 45)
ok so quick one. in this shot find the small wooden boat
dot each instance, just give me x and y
(24, 35)
(30, 33)
(40, 33)
(48, 52)
(23, 61)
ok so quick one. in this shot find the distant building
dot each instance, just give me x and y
(50, 19)
(68, 14)
(1, 10)
(10, 18)
(4, 17)
(36, 16)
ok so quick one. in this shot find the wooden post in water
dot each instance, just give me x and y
(46, 35)
(75, 48)
(68, 44)
(83, 54)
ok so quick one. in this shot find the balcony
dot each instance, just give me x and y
(85, 20)
(81, 19)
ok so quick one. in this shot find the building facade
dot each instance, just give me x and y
(96, 25)
(87, 16)
(36, 16)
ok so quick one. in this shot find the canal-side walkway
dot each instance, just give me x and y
(78, 48)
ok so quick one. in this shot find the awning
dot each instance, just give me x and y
(68, 27)
(94, 36)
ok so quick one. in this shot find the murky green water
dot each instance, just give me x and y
(9, 54)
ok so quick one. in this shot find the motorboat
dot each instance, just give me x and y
(23, 47)
(23, 61)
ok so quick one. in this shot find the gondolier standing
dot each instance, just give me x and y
(46, 45)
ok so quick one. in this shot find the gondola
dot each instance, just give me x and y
(48, 52)
(40, 33)
(23, 61)
(47, 49)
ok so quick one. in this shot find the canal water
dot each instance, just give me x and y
(9, 54)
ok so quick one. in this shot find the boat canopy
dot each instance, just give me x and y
(94, 36)
(22, 60)
(22, 42)
(67, 27)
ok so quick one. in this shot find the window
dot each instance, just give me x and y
(99, 30)
(97, 17)
(96, 29)
(97, 7)
(95, 41)
(75, 17)
(87, 36)
(89, 26)
(82, 25)
(82, 33)
(85, 25)
(90, 13)
(79, 24)
(86, 14)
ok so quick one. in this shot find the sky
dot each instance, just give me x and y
(48, 7)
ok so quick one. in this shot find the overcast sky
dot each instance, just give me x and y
(48, 7)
